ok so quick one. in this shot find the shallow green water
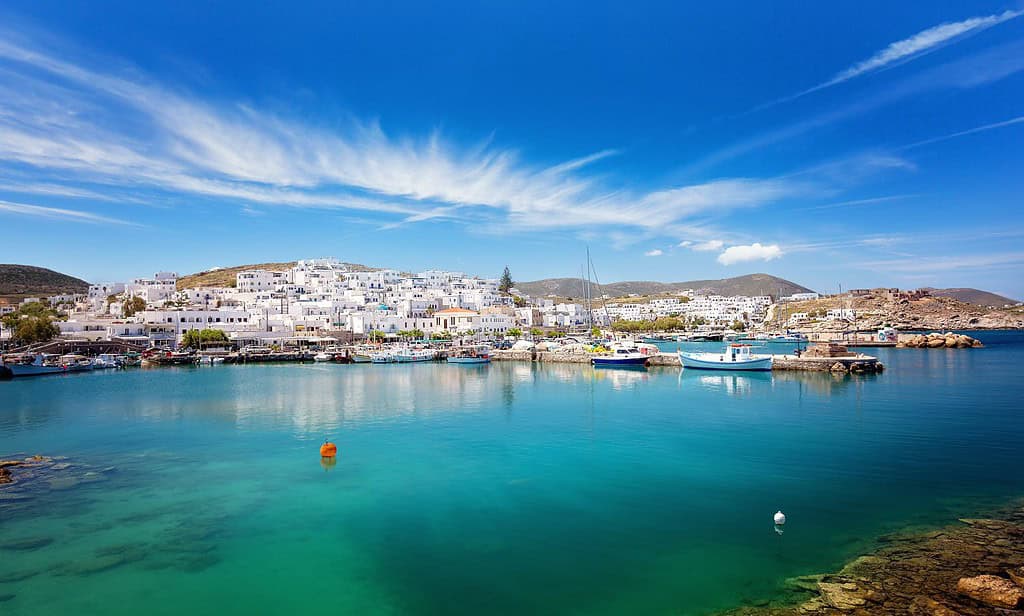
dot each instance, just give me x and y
(512, 488)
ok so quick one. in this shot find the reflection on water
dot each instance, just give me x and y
(731, 383)
(514, 487)
(621, 377)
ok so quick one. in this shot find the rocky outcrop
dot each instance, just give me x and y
(973, 569)
(991, 590)
(935, 340)
(926, 313)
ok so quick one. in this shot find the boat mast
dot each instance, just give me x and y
(604, 306)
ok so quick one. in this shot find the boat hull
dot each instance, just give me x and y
(608, 362)
(709, 362)
(469, 360)
(31, 370)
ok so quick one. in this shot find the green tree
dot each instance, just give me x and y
(536, 331)
(514, 332)
(376, 336)
(595, 332)
(32, 322)
(505, 284)
(133, 305)
(198, 338)
(738, 326)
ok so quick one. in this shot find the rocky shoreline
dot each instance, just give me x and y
(935, 340)
(975, 567)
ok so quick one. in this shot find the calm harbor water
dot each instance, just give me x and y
(511, 488)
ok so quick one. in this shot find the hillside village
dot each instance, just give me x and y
(286, 303)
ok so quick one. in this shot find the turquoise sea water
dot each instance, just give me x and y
(511, 488)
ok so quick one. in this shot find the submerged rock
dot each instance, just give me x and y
(7, 597)
(17, 576)
(991, 590)
(31, 543)
(5, 476)
(926, 606)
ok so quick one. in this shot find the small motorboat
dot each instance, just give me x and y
(621, 355)
(470, 355)
(788, 337)
(735, 357)
(77, 363)
(106, 360)
(382, 357)
(323, 356)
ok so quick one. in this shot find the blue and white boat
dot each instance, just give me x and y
(734, 357)
(621, 356)
(34, 364)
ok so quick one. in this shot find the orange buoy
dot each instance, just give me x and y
(328, 450)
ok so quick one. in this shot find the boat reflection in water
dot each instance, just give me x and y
(621, 376)
(732, 383)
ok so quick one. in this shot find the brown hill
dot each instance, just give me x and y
(974, 296)
(20, 281)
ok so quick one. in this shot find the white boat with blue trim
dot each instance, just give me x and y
(734, 357)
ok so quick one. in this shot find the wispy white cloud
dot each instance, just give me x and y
(905, 50)
(118, 131)
(657, 252)
(752, 252)
(708, 246)
(928, 264)
(963, 133)
(973, 71)
(54, 213)
(858, 202)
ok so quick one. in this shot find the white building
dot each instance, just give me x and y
(841, 314)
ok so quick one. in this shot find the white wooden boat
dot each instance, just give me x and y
(734, 357)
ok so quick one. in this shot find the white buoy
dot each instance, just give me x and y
(780, 518)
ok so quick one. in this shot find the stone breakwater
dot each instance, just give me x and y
(935, 340)
(971, 569)
(854, 364)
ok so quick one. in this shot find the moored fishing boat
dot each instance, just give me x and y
(34, 364)
(323, 356)
(77, 363)
(169, 358)
(734, 357)
(415, 355)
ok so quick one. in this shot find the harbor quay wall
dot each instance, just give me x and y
(854, 363)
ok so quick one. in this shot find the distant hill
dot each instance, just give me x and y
(225, 276)
(973, 296)
(749, 285)
(20, 281)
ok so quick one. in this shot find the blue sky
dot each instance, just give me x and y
(855, 143)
